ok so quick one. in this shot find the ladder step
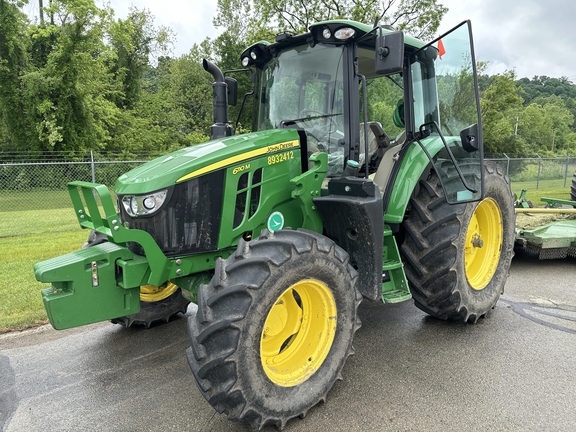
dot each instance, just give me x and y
(391, 265)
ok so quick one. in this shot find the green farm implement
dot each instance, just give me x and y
(362, 178)
(552, 240)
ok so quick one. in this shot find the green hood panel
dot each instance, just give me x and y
(200, 159)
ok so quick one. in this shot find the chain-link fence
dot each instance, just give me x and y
(537, 172)
(33, 194)
(34, 197)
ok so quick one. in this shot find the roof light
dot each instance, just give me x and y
(344, 33)
(327, 33)
(245, 61)
(253, 55)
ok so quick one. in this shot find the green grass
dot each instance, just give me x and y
(11, 201)
(547, 189)
(21, 303)
(29, 236)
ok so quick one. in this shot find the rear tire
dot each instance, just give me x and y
(274, 327)
(573, 188)
(457, 257)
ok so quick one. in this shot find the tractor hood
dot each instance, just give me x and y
(192, 162)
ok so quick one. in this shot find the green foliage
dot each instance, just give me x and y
(500, 104)
(133, 41)
(246, 19)
(14, 60)
(82, 80)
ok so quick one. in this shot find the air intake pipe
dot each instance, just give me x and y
(221, 128)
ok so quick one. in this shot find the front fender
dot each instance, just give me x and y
(412, 167)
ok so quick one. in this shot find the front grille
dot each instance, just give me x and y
(189, 222)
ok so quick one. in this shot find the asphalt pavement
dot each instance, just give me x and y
(515, 370)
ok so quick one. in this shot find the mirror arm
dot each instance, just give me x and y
(241, 108)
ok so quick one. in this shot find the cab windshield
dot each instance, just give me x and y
(302, 87)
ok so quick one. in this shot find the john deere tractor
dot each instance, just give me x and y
(363, 178)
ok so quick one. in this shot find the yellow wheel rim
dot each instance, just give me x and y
(298, 333)
(483, 244)
(153, 293)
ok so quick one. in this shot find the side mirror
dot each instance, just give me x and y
(470, 139)
(232, 90)
(389, 53)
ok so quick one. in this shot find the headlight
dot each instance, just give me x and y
(344, 33)
(142, 205)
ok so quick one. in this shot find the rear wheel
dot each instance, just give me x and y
(573, 188)
(457, 257)
(274, 327)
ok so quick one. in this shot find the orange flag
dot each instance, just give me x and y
(441, 50)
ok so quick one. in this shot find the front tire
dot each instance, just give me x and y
(157, 305)
(457, 257)
(274, 327)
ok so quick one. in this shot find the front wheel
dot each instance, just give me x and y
(157, 305)
(274, 327)
(457, 257)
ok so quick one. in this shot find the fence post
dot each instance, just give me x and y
(92, 166)
(539, 168)
(507, 164)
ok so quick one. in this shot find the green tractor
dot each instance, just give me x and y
(362, 139)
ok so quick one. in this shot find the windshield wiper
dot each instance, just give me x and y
(301, 119)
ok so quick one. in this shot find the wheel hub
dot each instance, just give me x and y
(298, 333)
(153, 293)
(483, 244)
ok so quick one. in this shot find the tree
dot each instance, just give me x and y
(544, 87)
(134, 40)
(73, 82)
(245, 19)
(181, 105)
(501, 104)
(545, 125)
(18, 127)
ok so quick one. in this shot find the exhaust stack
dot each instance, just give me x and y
(221, 128)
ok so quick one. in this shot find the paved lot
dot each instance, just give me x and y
(514, 370)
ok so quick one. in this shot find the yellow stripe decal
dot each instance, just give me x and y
(239, 158)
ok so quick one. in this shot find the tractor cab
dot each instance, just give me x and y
(365, 95)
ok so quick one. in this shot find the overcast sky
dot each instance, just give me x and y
(534, 37)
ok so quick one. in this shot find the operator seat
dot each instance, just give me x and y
(378, 141)
(389, 156)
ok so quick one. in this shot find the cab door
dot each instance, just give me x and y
(445, 113)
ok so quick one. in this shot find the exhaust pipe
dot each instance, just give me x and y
(221, 127)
